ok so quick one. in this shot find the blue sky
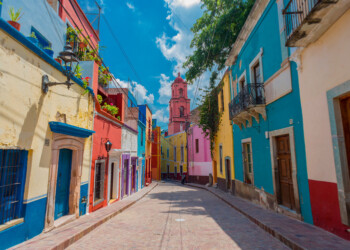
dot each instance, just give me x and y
(156, 37)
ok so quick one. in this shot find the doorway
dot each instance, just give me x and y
(167, 171)
(285, 187)
(112, 182)
(125, 177)
(228, 173)
(345, 114)
(63, 183)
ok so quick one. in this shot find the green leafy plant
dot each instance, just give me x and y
(99, 99)
(86, 84)
(103, 78)
(33, 35)
(113, 110)
(15, 16)
(48, 48)
(78, 72)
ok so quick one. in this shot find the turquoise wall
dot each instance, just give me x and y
(266, 35)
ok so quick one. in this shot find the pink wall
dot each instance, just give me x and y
(199, 163)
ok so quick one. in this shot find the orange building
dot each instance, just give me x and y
(156, 133)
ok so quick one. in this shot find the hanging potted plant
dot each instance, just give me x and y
(98, 61)
(71, 36)
(32, 37)
(48, 50)
(15, 16)
(105, 70)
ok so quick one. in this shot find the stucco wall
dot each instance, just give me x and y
(324, 65)
(129, 141)
(25, 111)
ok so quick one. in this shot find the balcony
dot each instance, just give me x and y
(306, 20)
(248, 103)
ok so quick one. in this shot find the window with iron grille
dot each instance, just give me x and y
(220, 155)
(99, 181)
(182, 153)
(13, 166)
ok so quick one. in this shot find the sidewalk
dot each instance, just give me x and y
(62, 237)
(295, 234)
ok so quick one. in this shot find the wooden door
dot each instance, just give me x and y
(345, 113)
(285, 188)
(228, 174)
(63, 183)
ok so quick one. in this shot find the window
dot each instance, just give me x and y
(13, 165)
(141, 136)
(167, 153)
(181, 92)
(182, 153)
(174, 153)
(222, 100)
(248, 163)
(181, 169)
(175, 170)
(241, 84)
(256, 73)
(42, 41)
(220, 152)
(197, 146)
(182, 109)
(99, 180)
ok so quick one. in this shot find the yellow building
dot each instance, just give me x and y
(46, 136)
(174, 155)
(148, 149)
(223, 165)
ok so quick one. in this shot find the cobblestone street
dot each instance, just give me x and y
(178, 217)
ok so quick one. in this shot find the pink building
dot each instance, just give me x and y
(179, 106)
(199, 156)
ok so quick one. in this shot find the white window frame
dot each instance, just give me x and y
(243, 75)
(257, 59)
(245, 141)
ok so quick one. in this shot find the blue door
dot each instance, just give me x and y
(63, 183)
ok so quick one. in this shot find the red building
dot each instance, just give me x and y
(155, 160)
(179, 106)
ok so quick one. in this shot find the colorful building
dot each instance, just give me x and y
(268, 135)
(199, 156)
(141, 147)
(174, 156)
(148, 146)
(223, 161)
(47, 136)
(321, 61)
(156, 173)
(179, 106)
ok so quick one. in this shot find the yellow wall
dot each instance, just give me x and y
(25, 111)
(324, 65)
(225, 134)
(169, 142)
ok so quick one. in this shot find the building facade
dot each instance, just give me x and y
(148, 146)
(223, 161)
(156, 155)
(320, 57)
(268, 136)
(47, 136)
(141, 147)
(179, 106)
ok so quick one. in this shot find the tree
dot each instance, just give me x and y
(214, 34)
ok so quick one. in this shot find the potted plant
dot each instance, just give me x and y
(71, 36)
(32, 37)
(99, 99)
(98, 61)
(48, 50)
(15, 16)
(78, 72)
(105, 70)
(58, 60)
(86, 84)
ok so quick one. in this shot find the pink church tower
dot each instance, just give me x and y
(179, 106)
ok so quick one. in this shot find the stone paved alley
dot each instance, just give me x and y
(178, 217)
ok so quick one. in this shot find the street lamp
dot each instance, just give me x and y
(68, 57)
(108, 146)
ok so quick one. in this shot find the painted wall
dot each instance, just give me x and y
(282, 112)
(317, 76)
(200, 164)
(224, 135)
(25, 113)
(155, 162)
(170, 143)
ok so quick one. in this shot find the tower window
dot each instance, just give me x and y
(181, 92)
(182, 111)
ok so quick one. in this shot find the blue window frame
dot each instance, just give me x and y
(43, 42)
(13, 166)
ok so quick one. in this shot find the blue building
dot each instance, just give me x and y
(141, 148)
(269, 151)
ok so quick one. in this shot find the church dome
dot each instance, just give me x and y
(179, 79)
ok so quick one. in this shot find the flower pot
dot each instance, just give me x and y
(105, 72)
(99, 63)
(82, 45)
(58, 60)
(16, 25)
(33, 40)
(106, 110)
(49, 52)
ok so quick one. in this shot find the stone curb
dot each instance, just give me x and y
(289, 243)
(78, 235)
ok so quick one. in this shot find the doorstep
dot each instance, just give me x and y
(65, 235)
(293, 233)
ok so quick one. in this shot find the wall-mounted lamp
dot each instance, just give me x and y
(68, 57)
(108, 146)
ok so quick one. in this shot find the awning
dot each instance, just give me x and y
(67, 129)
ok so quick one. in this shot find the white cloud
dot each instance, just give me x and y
(130, 6)
(138, 90)
(161, 116)
(165, 89)
(183, 3)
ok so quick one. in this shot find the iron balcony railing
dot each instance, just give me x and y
(295, 12)
(251, 95)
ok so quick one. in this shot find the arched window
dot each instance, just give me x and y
(182, 109)
(181, 92)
